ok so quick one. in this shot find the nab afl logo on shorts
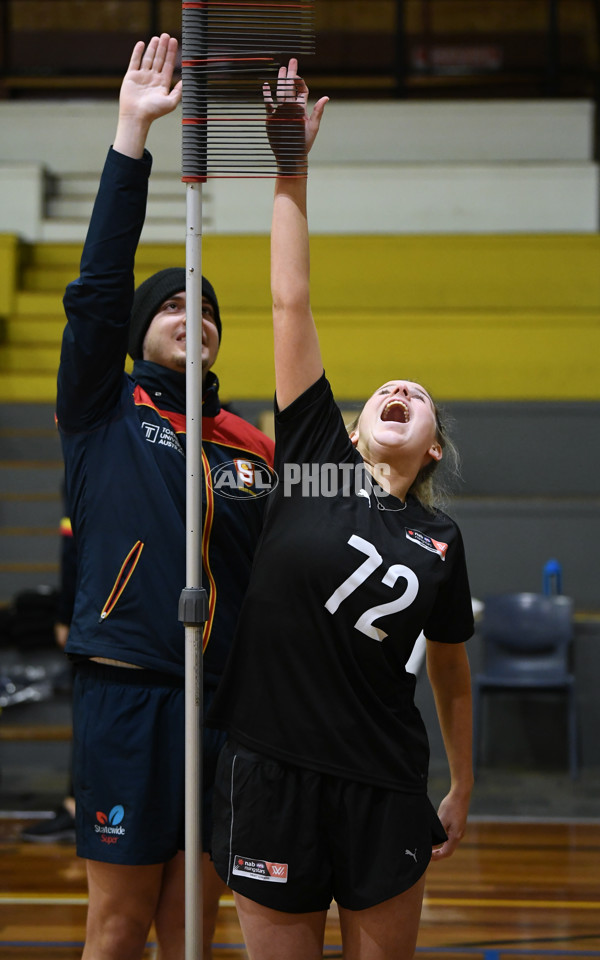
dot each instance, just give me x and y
(242, 479)
(260, 869)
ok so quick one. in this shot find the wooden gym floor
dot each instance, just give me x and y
(513, 890)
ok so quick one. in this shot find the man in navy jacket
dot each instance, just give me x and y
(123, 440)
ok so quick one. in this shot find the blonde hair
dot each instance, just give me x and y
(431, 486)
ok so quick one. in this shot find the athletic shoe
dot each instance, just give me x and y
(60, 828)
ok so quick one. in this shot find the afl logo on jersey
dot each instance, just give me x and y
(241, 479)
(428, 543)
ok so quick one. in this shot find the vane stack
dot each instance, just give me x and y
(229, 49)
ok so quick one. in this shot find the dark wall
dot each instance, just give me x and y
(531, 492)
(541, 449)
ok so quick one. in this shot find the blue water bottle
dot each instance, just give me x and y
(552, 578)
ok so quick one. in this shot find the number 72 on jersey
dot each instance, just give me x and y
(365, 623)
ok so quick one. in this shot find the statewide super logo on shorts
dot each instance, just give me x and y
(260, 869)
(109, 826)
(428, 543)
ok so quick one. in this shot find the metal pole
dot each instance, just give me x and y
(192, 604)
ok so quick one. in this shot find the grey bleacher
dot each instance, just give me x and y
(30, 498)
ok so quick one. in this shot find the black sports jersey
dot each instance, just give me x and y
(339, 592)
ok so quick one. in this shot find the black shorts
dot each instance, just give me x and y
(129, 764)
(293, 839)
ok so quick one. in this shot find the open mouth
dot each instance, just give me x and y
(396, 411)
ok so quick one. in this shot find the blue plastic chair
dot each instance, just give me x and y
(527, 645)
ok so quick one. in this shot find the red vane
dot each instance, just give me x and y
(191, 63)
(245, 176)
(199, 4)
(192, 120)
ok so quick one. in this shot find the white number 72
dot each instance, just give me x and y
(374, 560)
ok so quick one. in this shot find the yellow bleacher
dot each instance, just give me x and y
(475, 317)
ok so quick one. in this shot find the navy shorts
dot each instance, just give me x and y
(293, 839)
(129, 764)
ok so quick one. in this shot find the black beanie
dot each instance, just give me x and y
(151, 294)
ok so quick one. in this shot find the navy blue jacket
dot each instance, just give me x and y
(123, 441)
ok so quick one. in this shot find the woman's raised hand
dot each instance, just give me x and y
(290, 128)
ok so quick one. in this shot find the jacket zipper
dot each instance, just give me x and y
(127, 568)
